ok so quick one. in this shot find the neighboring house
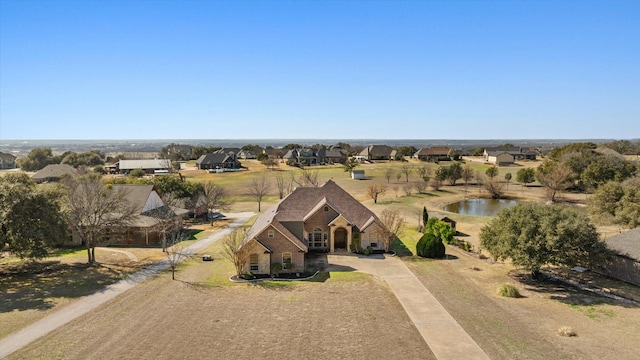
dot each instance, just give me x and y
(145, 227)
(335, 156)
(149, 166)
(217, 160)
(518, 153)
(606, 151)
(304, 156)
(7, 161)
(357, 174)
(435, 153)
(53, 173)
(448, 220)
(625, 265)
(378, 152)
(310, 219)
(499, 157)
(245, 154)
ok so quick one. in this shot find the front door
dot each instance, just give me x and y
(340, 240)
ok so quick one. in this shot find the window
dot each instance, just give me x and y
(316, 240)
(253, 262)
(286, 260)
(326, 208)
(270, 234)
(374, 245)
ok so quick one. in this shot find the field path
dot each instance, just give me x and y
(442, 333)
(42, 327)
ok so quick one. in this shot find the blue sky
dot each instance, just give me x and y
(319, 69)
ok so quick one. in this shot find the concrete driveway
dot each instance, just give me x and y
(442, 333)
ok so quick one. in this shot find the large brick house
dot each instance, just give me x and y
(144, 228)
(310, 219)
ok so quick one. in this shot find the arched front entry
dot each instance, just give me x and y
(340, 239)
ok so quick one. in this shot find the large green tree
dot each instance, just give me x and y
(31, 220)
(526, 176)
(534, 235)
(617, 203)
(37, 159)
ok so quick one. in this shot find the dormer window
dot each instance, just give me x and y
(270, 234)
(326, 208)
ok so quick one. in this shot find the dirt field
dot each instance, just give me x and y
(348, 316)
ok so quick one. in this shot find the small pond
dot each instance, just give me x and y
(480, 207)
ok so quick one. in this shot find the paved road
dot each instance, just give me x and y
(442, 333)
(51, 322)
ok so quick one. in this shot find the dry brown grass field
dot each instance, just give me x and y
(202, 315)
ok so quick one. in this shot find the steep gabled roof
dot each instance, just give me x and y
(213, 158)
(378, 150)
(54, 171)
(7, 157)
(305, 201)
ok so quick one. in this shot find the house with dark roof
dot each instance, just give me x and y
(625, 264)
(53, 173)
(218, 160)
(146, 226)
(7, 161)
(310, 219)
(434, 153)
(378, 152)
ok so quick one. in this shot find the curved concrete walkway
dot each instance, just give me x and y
(442, 333)
(53, 321)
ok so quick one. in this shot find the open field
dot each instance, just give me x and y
(342, 315)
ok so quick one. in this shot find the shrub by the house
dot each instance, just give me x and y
(430, 246)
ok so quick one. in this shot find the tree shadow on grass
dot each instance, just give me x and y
(563, 291)
(33, 285)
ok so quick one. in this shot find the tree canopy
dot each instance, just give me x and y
(31, 220)
(37, 159)
(534, 235)
(617, 203)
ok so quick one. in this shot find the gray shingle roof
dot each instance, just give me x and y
(627, 243)
(54, 171)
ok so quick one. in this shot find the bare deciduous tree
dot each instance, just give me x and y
(175, 252)
(420, 186)
(388, 174)
(555, 180)
(96, 210)
(376, 190)
(393, 225)
(283, 183)
(479, 179)
(259, 187)
(165, 217)
(233, 250)
(495, 188)
(307, 178)
(406, 170)
(216, 198)
(467, 175)
(398, 176)
(408, 189)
